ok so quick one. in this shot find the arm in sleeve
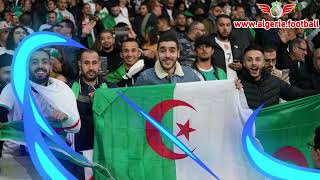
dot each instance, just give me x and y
(289, 92)
(282, 57)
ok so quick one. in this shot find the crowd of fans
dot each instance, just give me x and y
(159, 42)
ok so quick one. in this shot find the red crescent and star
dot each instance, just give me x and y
(153, 135)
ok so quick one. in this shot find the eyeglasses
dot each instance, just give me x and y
(302, 48)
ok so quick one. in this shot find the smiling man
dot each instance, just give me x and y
(127, 73)
(167, 69)
(54, 98)
(262, 87)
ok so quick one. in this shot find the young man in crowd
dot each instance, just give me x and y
(203, 64)
(54, 98)
(109, 50)
(227, 54)
(83, 89)
(260, 86)
(126, 75)
(167, 69)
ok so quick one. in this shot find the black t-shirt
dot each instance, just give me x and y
(114, 59)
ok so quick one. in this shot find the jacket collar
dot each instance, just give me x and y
(161, 73)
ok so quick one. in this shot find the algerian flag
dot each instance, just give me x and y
(207, 117)
(286, 129)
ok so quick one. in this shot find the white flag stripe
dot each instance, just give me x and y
(218, 126)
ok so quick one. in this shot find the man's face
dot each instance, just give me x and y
(181, 20)
(216, 11)
(157, 9)
(204, 52)
(143, 10)
(168, 54)
(254, 63)
(115, 11)
(5, 74)
(106, 40)
(52, 18)
(316, 60)
(27, 6)
(300, 51)
(63, 29)
(170, 4)
(199, 30)
(18, 35)
(4, 36)
(161, 25)
(90, 64)
(39, 67)
(86, 9)
(130, 53)
(62, 4)
(241, 13)
(51, 6)
(270, 59)
(224, 28)
(98, 7)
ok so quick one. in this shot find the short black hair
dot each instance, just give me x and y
(87, 51)
(168, 37)
(164, 18)
(203, 40)
(269, 49)
(129, 40)
(222, 16)
(69, 24)
(253, 47)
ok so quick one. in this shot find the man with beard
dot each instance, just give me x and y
(84, 88)
(260, 86)
(54, 98)
(5, 69)
(167, 69)
(227, 54)
(186, 43)
(132, 66)
(109, 50)
(270, 58)
(203, 64)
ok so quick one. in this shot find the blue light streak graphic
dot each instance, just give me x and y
(268, 165)
(174, 139)
(35, 125)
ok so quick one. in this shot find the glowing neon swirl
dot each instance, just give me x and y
(267, 164)
(35, 125)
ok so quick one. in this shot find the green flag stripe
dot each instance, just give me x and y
(120, 142)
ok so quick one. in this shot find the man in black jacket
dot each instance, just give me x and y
(227, 55)
(262, 87)
(314, 77)
(293, 56)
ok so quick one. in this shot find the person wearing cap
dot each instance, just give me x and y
(203, 63)
(5, 69)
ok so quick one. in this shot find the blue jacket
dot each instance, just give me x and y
(157, 75)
